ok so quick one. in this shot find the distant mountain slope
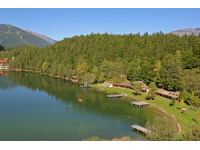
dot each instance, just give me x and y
(13, 36)
(188, 31)
(44, 37)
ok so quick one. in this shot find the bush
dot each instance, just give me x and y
(172, 102)
(163, 129)
(191, 134)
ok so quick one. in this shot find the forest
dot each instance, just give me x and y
(171, 61)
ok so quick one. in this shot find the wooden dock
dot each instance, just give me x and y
(115, 96)
(141, 129)
(140, 104)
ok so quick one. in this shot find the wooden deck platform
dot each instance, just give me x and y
(140, 104)
(115, 96)
(141, 129)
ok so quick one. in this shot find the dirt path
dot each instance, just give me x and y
(178, 125)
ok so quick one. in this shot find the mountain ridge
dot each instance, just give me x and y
(187, 31)
(13, 36)
(44, 37)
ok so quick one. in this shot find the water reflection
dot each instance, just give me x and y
(5, 81)
(51, 105)
(4, 72)
(93, 101)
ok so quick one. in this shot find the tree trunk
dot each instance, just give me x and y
(163, 86)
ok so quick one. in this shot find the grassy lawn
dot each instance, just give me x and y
(183, 119)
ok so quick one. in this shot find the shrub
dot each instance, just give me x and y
(172, 102)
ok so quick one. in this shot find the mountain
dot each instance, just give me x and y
(13, 36)
(44, 37)
(188, 31)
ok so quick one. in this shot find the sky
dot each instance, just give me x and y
(63, 21)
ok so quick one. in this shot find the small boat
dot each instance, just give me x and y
(80, 100)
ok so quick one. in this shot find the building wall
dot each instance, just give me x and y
(4, 66)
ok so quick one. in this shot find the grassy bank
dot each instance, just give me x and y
(183, 119)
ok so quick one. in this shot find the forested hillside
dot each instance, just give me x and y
(13, 36)
(171, 61)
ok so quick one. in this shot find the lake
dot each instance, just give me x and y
(37, 107)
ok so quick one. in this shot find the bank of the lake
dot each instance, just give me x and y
(160, 105)
(47, 74)
(183, 119)
(39, 107)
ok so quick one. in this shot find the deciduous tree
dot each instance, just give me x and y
(137, 87)
(152, 89)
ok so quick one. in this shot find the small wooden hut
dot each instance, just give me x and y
(184, 110)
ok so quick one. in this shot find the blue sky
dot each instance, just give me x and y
(60, 23)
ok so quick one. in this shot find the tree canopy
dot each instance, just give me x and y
(170, 61)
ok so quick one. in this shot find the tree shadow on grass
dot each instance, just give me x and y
(149, 99)
(136, 94)
(193, 119)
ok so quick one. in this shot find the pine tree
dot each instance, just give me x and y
(101, 78)
(196, 49)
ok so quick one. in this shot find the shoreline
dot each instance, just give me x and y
(173, 116)
(19, 70)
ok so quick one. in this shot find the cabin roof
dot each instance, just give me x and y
(135, 82)
(168, 93)
(129, 84)
(144, 86)
(126, 83)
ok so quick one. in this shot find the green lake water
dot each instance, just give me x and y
(36, 107)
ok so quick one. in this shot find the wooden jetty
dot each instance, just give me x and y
(141, 129)
(140, 104)
(115, 96)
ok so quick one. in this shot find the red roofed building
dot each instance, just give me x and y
(4, 64)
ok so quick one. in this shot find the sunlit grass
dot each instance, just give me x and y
(183, 119)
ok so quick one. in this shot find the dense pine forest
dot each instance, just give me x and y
(170, 61)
